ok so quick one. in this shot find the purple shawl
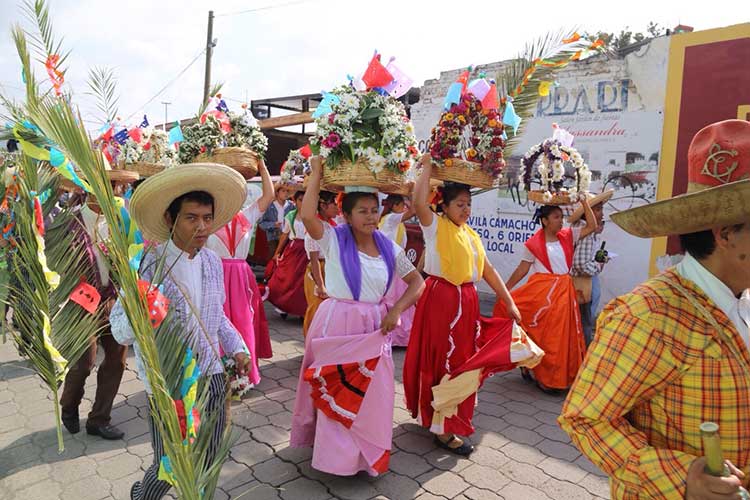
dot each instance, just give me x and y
(349, 254)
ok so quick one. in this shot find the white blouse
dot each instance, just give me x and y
(556, 256)
(242, 246)
(390, 226)
(299, 229)
(374, 270)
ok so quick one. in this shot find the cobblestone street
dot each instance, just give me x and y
(520, 451)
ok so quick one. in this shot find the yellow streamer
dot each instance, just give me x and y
(544, 88)
(53, 279)
(61, 364)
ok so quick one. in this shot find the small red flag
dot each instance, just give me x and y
(376, 74)
(86, 296)
(158, 304)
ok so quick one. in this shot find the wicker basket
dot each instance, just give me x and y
(242, 160)
(144, 168)
(464, 172)
(558, 199)
(358, 174)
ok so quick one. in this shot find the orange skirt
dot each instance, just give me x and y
(313, 301)
(551, 318)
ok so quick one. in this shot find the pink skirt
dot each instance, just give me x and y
(239, 306)
(403, 330)
(342, 332)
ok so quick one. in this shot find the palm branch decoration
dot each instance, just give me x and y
(50, 329)
(103, 88)
(522, 77)
(59, 123)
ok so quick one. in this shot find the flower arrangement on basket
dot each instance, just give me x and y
(148, 152)
(222, 136)
(467, 143)
(363, 132)
(552, 155)
(296, 167)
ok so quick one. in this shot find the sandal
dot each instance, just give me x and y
(464, 450)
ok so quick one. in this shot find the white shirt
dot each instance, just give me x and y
(556, 256)
(374, 270)
(186, 272)
(299, 229)
(279, 211)
(98, 231)
(242, 246)
(719, 293)
(390, 225)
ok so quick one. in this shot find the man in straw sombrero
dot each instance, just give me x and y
(673, 353)
(179, 208)
(585, 269)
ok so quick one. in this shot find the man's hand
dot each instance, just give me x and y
(703, 486)
(243, 362)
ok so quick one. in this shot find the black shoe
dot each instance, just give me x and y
(72, 422)
(464, 450)
(105, 431)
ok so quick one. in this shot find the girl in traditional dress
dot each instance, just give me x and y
(315, 289)
(244, 304)
(447, 317)
(392, 225)
(345, 396)
(287, 283)
(548, 300)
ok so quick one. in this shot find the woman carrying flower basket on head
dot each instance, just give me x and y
(548, 300)
(287, 284)
(446, 321)
(314, 286)
(345, 396)
(392, 225)
(244, 304)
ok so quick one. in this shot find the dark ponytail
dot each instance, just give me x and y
(449, 192)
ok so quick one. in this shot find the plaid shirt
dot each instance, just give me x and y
(656, 370)
(583, 257)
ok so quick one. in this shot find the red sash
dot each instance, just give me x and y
(537, 245)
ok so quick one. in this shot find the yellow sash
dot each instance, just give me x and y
(400, 231)
(456, 246)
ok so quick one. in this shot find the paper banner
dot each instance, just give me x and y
(376, 75)
(136, 135)
(561, 135)
(401, 82)
(324, 107)
(144, 123)
(490, 100)
(86, 296)
(479, 88)
(175, 134)
(357, 83)
(510, 117)
(61, 364)
(463, 79)
(121, 137)
(55, 75)
(222, 106)
(453, 96)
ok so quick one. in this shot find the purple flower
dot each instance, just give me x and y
(334, 140)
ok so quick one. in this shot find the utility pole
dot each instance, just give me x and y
(209, 52)
(166, 104)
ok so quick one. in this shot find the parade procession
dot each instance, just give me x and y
(524, 279)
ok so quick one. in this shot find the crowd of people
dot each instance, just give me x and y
(662, 359)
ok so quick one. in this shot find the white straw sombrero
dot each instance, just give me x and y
(593, 201)
(152, 198)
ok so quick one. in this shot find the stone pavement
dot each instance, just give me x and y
(520, 451)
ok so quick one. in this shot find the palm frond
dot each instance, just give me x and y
(103, 87)
(549, 47)
(42, 38)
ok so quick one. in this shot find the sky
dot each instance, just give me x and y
(288, 47)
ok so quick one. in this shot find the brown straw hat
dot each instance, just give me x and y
(593, 201)
(718, 191)
(152, 198)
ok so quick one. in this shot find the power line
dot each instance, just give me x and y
(165, 87)
(267, 7)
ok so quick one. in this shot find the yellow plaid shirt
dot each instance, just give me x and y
(656, 370)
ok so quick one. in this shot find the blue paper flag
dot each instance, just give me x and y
(56, 158)
(222, 106)
(325, 105)
(510, 117)
(144, 123)
(122, 136)
(453, 96)
(175, 134)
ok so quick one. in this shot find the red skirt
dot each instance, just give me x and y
(551, 318)
(442, 339)
(287, 284)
